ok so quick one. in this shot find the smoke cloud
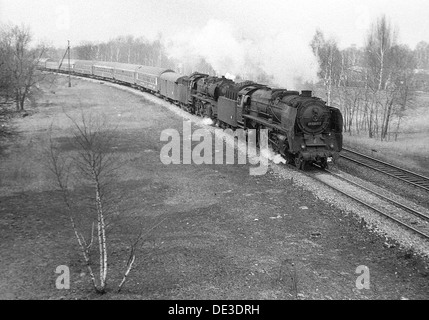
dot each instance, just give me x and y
(280, 57)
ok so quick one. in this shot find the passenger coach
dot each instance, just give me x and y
(148, 77)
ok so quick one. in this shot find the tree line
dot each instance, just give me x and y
(374, 85)
(140, 51)
(125, 49)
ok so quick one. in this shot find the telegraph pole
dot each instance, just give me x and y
(68, 49)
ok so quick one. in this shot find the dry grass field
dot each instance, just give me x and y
(410, 151)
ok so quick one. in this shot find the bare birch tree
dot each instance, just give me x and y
(328, 54)
(379, 42)
(95, 166)
(397, 93)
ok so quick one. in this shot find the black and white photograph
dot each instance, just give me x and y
(215, 156)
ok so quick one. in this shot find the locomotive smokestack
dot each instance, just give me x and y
(306, 93)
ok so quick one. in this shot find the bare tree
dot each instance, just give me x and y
(86, 51)
(380, 40)
(329, 56)
(94, 165)
(397, 93)
(373, 86)
(6, 87)
(20, 63)
(422, 55)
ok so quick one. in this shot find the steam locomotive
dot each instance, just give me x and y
(302, 128)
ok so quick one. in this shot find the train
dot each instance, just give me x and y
(301, 127)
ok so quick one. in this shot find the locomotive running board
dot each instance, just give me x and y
(264, 122)
(205, 99)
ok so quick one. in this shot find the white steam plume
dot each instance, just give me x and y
(282, 55)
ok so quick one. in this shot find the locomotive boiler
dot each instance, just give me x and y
(208, 90)
(302, 128)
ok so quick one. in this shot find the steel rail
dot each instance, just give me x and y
(411, 210)
(407, 176)
(387, 215)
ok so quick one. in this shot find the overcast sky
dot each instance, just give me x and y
(56, 21)
(234, 36)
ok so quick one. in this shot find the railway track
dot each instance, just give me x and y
(392, 209)
(404, 175)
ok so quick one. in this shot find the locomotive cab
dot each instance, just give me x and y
(337, 123)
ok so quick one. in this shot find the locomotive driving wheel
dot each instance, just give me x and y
(289, 157)
(324, 163)
(209, 112)
(300, 163)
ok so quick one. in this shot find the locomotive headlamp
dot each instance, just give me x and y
(303, 146)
